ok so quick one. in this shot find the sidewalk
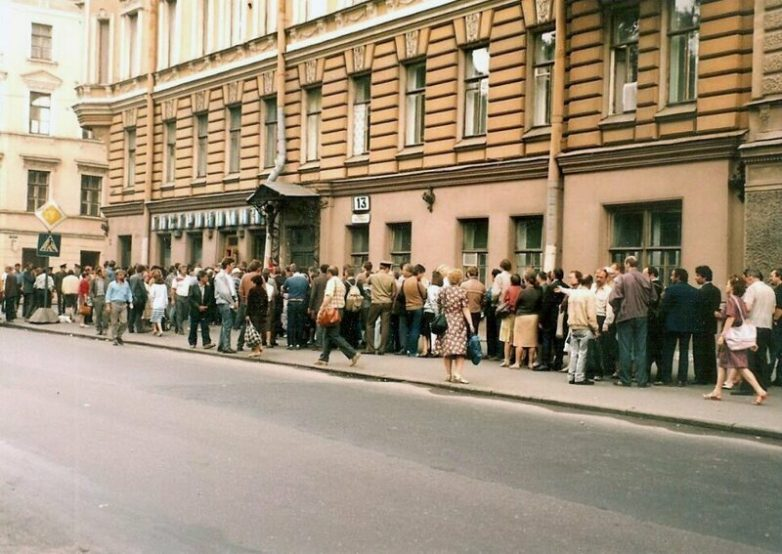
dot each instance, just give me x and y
(671, 404)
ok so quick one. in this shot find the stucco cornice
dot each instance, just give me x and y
(662, 152)
(124, 209)
(205, 202)
(767, 151)
(480, 173)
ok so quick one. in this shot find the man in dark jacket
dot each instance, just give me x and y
(679, 311)
(703, 345)
(201, 299)
(28, 290)
(10, 294)
(139, 291)
(552, 346)
(633, 293)
(656, 331)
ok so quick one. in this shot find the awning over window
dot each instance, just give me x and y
(279, 191)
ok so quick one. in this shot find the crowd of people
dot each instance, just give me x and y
(618, 324)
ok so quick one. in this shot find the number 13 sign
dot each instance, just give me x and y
(361, 203)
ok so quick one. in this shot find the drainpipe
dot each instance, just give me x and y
(552, 255)
(279, 162)
(150, 122)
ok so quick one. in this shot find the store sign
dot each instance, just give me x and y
(240, 217)
(361, 204)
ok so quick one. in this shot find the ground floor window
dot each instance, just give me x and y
(301, 240)
(89, 258)
(651, 232)
(30, 256)
(528, 249)
(231, 246)
(196, 248)
(164, 250)
(359, 245)
(401, 243)
(125, 247)
(259, 245)
(475, 245)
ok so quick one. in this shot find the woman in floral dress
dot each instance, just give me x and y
(452, 344)
(735, 360)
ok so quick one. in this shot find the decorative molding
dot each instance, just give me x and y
(472, 23)
(41, 81)
(359, 58)
(311, 71)
(200, 101)
(412, 44)
(232, 93)
(539, 12)
(92, 167)
(464, 175)
(720, 146)
(473, 27)
(543, 11)
(237, 199)
(124, 209)
(129, 117)
(168, 110)
(266, 83)
(36, 160)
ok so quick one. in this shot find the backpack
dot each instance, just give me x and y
(354, 299)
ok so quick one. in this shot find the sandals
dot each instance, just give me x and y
(759, 399)
(460, 380)
(712, 396)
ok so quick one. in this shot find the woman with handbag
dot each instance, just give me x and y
(257, 315)
(732, 347)
(431, 309)
(452, 344)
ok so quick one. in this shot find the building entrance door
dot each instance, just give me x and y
(30, 256)
(231, 246)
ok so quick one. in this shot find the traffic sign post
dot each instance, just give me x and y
(49, 245)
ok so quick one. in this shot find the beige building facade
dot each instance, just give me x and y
(44, 153)
(550, 132)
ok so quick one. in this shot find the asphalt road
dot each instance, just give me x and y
(132, 449)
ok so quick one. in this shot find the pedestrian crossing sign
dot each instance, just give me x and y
(49, 245)
(50, 214)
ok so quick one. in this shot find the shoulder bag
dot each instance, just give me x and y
(328, 317)
(742, 337)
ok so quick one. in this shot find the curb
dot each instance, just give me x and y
(699, 423)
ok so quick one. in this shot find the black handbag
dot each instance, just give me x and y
(439, 324)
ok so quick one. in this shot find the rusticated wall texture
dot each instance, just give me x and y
(764, 230)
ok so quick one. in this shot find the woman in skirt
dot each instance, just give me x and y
(158, 297)
(733, 315)
(257, 313)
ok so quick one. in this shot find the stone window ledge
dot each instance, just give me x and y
(310, 167)
(537, 134)
(198, 182)
(677, 111)
(471, 143)
(410, 152)
(362, 159)
(617, 121)
(231, 178)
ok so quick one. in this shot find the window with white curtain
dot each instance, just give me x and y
(543, 65)
(361, 104)
(476, 91)
(313, 108)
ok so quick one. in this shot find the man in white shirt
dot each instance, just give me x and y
(603, 361)
(226, 300)
(44, 285)
(181, 287)
(761, 303)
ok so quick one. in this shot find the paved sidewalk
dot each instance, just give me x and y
(680, 405)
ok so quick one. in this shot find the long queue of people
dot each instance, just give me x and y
(617, 324)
